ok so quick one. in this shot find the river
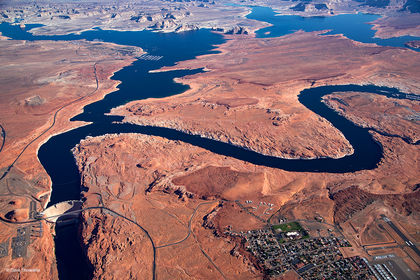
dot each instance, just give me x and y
(357, 27)
(137, 83)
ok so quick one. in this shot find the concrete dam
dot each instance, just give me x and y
(63, 211)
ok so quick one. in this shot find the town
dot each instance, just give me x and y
(285, 247)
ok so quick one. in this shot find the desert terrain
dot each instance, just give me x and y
(168, 215)
(60, 18)
(246, 78)
(44, 84)
(197, 175)
(154, 207)
(159, 183)
(249, 99)
(389, 116)
(400, 17)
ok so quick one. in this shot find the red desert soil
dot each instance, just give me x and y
(272, 71)
(249, 98)
(397, 25)
(249, 95)
(156, 182)
(39, 78)
(138, 185)
(386, 115)
(352, 200)
(216, 180)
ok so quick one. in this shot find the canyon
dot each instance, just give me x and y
(156, 207)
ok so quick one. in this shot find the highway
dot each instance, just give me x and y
(51, 126)
(138, 225)
(92, 208)
(402, 235)
(198, 243)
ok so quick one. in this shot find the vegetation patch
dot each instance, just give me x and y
(293, 226)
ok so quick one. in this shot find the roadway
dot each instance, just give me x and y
(189, 233)
(402, 235)
(51, 126)
(189, 227)
(92, 208)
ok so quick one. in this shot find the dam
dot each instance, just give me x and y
(61, 212)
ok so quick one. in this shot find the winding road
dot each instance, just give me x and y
(71, 213)
(110, 211)
(189, 227)
(50, 127)
(56, 158)
(189, 232)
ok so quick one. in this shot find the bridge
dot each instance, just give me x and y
(62, 211)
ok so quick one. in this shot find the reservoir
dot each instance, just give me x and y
(353, 26)
(138, 83)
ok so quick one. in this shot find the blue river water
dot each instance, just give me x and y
(138, 83)
(353, 26)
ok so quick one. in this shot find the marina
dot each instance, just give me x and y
(150, 57)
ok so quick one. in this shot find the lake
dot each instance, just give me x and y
(138, 83)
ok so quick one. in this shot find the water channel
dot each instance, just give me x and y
(138, 83)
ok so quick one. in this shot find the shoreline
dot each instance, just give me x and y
(45, 136)
(79, 124)
(59, 123)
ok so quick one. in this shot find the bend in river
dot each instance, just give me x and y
(137, 83)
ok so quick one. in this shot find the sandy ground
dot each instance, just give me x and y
(179, 16)
(160, 195)
(39, 78)
(388, 116)
(249, 95)
(249, 98)
(268, 77)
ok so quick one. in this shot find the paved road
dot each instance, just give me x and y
(198, 243)
(138, 225)
(402, 235)
(92, 208)
(53, 123)
(189, 227)
(382, 248)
